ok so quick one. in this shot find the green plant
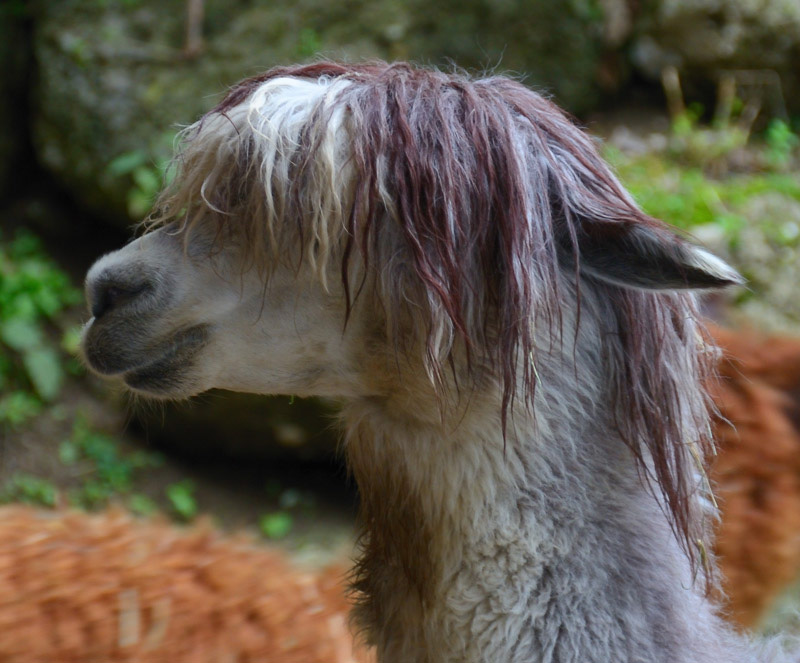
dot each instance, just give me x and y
(17, 407)
(110, 471)
(33, 292)
(687, 197)
(70, 343)
(147, 170)
(142, 505)
(308, 43)
(30, 490)
(781, 143)
(698, 145)
(687, 122)
(275, 525)
(182, 500)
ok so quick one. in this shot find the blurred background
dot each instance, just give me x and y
(697, 105)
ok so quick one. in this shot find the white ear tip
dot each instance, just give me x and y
(716, 267)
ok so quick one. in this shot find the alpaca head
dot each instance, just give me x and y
(360, 231)
(318, 204)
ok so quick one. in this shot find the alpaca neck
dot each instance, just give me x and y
(540, 546)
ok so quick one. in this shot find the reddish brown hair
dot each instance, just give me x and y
(496, 209)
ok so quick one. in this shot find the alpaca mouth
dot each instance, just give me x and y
(157, 369)
(168, 372)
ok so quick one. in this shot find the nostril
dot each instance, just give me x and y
(105, 299)
(108, 296)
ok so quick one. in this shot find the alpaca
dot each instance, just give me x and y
(512, 341)
(79, 587)
(756, 470)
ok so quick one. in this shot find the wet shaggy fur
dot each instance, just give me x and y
(78, 588)
(756, 471)
(490, 189)
(518, 361)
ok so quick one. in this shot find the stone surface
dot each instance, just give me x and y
(114, 82)
(704, 37)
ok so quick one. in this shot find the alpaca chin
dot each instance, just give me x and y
(167, 373)
(171, 374)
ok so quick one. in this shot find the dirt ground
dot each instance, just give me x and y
(235, 495)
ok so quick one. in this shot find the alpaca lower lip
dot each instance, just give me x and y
(167, 373)
(167, 370)
(103, 354)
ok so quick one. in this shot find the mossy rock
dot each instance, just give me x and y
(703, 38)
(114, 81)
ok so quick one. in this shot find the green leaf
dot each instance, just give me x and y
(139, 203)
(276, 525)
(94, 494)
(101, 449)
(71, 340)
(118, 475)
(18, 407)
(31, 490)
(147, 179)
(25, 244)
(182, 499)
(44, 370)
(127, 162)
(20, 334)
(142, 505)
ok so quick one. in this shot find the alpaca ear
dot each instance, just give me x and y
(634, 255)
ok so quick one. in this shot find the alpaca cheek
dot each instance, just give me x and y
(281, 350)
